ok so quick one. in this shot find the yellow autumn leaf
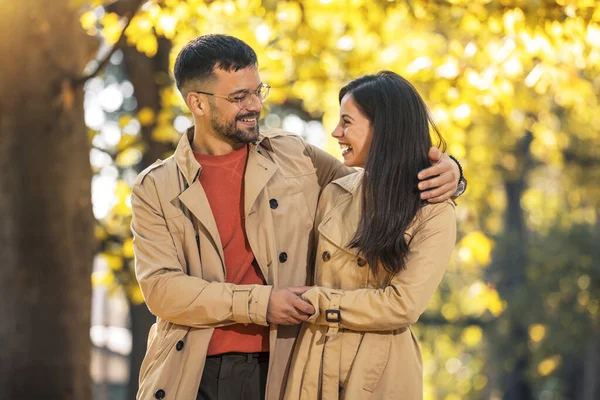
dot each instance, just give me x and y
(115, 262)
(88, 20)
(494, 303)
(135, 294)
(129, 157)
(548, 365)
(480, 246)
(140, 26)
(126, 141)
(146, 116)
(99, 233)
(148, 45)
(124, 120)
(112, 28)
(450, 312)
(537, 332)
(103, 278)
(122, 191)
(121, 212)
(166, 26)
(165, 133)
(472, 335)
(128, 248)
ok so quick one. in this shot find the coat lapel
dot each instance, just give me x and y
(339, 224)
(194, 198)
(259, 171)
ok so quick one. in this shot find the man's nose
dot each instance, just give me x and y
(254, 104)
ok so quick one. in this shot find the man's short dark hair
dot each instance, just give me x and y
(199, 58)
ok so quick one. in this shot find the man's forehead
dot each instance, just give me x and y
(245, 78)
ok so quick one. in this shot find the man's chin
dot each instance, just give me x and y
(248, 135)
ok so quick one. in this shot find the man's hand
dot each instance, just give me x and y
(286, 307)
(443, 177)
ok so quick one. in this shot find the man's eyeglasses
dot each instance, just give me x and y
(244, 98)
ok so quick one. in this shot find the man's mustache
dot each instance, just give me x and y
(250, 115)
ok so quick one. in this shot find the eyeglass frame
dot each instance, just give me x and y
(247, 92)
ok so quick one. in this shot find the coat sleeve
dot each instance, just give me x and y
(402, 302)
(328, 167)
(169, 292)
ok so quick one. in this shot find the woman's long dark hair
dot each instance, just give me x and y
(401, 140)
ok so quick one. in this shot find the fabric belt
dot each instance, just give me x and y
(260, 356)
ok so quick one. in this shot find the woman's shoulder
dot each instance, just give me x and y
(445, 209)
(349, 183)
(340, 191)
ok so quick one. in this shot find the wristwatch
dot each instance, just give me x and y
(462, 187)
(462, 182)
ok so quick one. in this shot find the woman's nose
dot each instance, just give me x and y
(337, 132)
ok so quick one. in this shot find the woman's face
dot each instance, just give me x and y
(354, 133)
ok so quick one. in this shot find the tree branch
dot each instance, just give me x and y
(411, 9)
(104, 62)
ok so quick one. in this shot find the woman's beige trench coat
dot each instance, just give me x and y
(179, 256)
(371, 353)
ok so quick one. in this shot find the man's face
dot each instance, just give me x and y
(238, 122)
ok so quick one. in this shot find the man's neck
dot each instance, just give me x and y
(206, 141)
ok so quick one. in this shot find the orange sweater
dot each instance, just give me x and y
(222, 178)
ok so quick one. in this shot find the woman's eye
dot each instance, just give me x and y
(346, 122)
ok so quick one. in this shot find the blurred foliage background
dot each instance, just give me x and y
(513, 86)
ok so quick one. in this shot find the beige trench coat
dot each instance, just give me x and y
(179, 256)
(371, 353)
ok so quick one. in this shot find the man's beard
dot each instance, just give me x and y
(230, 130)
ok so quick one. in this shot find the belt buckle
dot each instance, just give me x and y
(333, 315)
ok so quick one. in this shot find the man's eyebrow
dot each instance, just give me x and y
(245, 90)
(239, 91)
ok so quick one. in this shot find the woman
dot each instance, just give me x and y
(381, 252)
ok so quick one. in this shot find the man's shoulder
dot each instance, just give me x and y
(157, 168)
(277, 133)
(279, 137)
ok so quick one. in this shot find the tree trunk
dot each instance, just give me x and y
(46, 221)
(591, 370)
(148, 76)
(509, 265)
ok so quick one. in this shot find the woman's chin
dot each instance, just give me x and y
(350, 161)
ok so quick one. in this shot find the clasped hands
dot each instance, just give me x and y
(286, 306)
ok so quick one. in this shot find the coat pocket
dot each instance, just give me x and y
(151, 348)
(372, 358)
(161, 345)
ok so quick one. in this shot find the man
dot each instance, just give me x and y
(222, 233)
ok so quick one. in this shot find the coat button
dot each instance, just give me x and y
(179, 345)
(283, 257)
(326, 256)
(160, 394)
(273, 203)
(361, 262)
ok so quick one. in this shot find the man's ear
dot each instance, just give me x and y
(197, 105)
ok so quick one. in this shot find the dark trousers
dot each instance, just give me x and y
(234, 376)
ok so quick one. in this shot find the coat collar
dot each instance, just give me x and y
(259, 171)
(351, 183)
(184, 155)
(339, 224)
